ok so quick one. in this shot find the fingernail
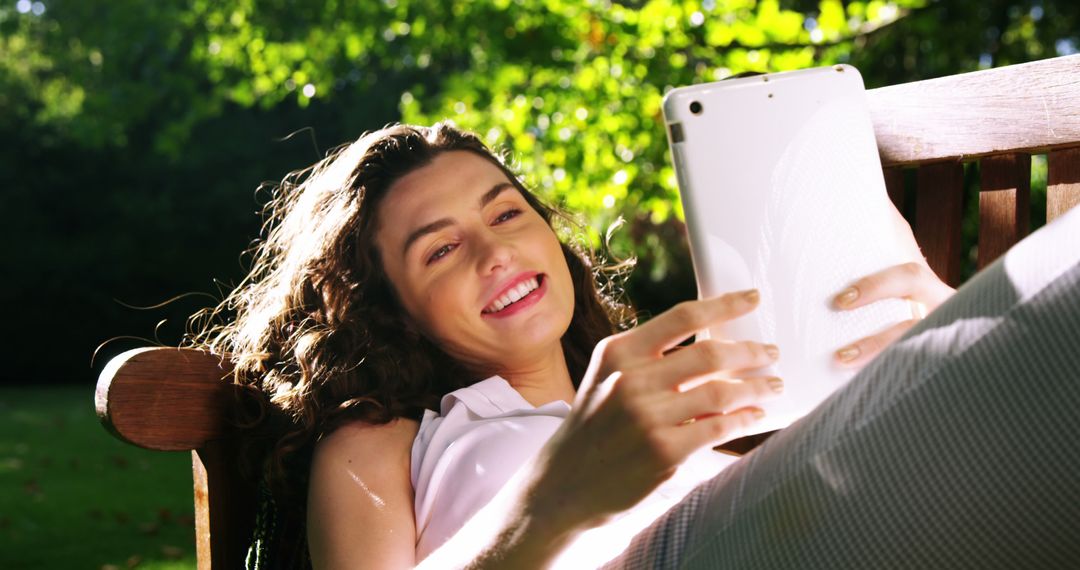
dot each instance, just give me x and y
(847, 297)
(773, 351)
(848, 353)
(776, 385)
(759, 413)
(751, 296)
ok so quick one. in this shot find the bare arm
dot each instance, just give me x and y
(632, 424)
(360, 498)
(360, 510)
(629, 429)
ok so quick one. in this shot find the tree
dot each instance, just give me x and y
(136, 131)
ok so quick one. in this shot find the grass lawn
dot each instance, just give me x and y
(72, 496)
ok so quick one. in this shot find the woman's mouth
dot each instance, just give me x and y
(524, 295)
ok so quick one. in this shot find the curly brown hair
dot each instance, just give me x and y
(317, 334)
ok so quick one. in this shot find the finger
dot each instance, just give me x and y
(710, 357)
(714, 430)
(911, 280)
(716, 397)
(864, 350)
(672, 326)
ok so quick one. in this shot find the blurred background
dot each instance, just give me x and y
(135, 136)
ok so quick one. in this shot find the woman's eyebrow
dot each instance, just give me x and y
(441, 223)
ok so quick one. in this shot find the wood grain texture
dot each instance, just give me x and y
(1062, 182)
(225, 506)
(894, 185)
(1032, 107)
(938, 214)
(165, 398)
(203, 544)
(1004, 204)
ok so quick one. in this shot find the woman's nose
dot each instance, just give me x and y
(495, 252)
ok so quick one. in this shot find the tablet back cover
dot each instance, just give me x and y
(783, 191)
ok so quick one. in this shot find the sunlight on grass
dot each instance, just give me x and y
(72, 496)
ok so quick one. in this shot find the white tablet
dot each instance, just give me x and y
(783, 191)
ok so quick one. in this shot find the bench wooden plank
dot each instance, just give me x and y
(1062, 182)
(938, 213)
(203, 543)
(1004, 204)
(225, 506)
(167, 399)
(1031, 107)
(894, 185)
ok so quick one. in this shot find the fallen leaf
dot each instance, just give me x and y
(150, 528)
(31, 487)
(134, 560)
(11, 464)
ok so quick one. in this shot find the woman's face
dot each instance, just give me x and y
(476, 268)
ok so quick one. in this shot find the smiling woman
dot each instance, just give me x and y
(441, 381)
(405, 265)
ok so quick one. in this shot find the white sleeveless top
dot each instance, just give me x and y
(484, 433)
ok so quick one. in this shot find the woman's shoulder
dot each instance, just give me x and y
(360, 496)
(363, 438)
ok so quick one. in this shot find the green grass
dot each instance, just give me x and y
(73, 496)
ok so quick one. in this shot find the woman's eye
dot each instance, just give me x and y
(509, 214)
(440, 253)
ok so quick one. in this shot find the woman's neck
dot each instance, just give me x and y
(543, 379)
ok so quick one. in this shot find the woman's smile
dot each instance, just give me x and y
(523, 292)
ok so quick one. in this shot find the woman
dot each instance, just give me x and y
(413, 264)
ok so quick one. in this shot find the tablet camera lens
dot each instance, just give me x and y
(695, 108)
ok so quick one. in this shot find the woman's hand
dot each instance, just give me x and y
(914, 281)
(631, 425)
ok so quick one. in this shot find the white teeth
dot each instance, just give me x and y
(514, 295)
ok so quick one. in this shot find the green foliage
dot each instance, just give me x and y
(136, 131)
(585, 123)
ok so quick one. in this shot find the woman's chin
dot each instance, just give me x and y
(530, 338)
(533, 336)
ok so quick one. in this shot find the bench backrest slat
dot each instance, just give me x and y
(894, 184)
(1063, 181)
(939, 201)
(1004, 204)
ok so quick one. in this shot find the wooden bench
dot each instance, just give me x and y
(174, 399)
